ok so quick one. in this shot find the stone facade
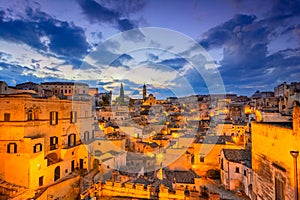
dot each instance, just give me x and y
(272, 164)
(43, 140)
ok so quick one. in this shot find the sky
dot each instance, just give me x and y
(175, 47)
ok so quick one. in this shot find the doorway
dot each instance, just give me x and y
(72, 166)
(41, 180)
(81, 164)
(57, 173)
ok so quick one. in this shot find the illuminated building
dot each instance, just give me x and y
(273, 166)
(43, 140)
(235, 167)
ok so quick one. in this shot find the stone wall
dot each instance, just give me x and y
(271, 159)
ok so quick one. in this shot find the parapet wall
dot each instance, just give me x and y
(110, 188)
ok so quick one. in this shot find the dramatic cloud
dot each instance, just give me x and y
(114, 13)
(42, 32)
(254, 45)
(245, 41)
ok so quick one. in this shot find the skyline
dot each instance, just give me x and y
(252, 45)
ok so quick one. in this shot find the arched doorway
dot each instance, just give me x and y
(57, 173)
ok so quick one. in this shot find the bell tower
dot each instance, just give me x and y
(144, 91)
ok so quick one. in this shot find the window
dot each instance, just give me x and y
(12, 148)
(237, 170)
(73, 117)
(66, 91)
(86, 136)
(30, 115)
(37, 148)
(41, 180)
(98, 153)
(279, 189)
(93, 134)
(71, 140)
(245, 172)
(69, 91)
(6, 117)
(53, 118)
(57, 173)
(201, 158)
(222, 164)
(53, 142)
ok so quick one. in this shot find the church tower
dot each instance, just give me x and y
(122, 93)
(144, 92)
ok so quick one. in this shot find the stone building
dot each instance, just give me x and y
(43, 140)
(150, 100)
(235, 165)
(272, 162)
(287, 94)
(66, 88)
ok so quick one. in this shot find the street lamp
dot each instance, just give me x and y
(295, 155)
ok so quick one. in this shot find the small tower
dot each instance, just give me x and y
(122, 93)
(144, 92)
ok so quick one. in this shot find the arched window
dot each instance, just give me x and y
(71, 140)
(86, 136)
(30, 115)
(57, 173)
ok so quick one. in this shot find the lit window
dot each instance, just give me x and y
(53, 118)
(12, 148)
(53, 142)
(73, 117)
(71, 140)
(37, 148)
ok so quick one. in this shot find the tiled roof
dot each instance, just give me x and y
(186, 177)
(238, 156)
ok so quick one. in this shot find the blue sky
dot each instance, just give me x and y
(243, 46)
